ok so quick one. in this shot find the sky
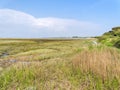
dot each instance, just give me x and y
(57, 18)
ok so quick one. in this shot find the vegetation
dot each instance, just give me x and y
(111, 38)
(58, 64)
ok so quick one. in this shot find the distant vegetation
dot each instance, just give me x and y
(111, 38)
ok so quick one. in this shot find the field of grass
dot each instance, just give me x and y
(58, 64)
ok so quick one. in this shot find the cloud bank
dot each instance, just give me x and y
(19, 24)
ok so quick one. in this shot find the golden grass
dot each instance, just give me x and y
(104, 62)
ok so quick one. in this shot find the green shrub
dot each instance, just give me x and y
(117, 44)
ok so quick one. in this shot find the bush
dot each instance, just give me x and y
(117, 44)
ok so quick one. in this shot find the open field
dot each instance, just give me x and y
(58, 64)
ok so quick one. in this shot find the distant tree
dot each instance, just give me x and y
(75, 37)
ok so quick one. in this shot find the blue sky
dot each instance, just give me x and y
(57, 18)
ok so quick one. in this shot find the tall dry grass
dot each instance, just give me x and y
(104, 62)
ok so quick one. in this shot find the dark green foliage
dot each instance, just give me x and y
(117, 44)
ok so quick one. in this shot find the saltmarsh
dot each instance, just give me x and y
(56, 64)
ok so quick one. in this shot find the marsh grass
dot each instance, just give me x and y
(104, 61)
(54, 65)
(42, 76)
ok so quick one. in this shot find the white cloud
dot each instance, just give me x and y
(19, 24)
(15, 17)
